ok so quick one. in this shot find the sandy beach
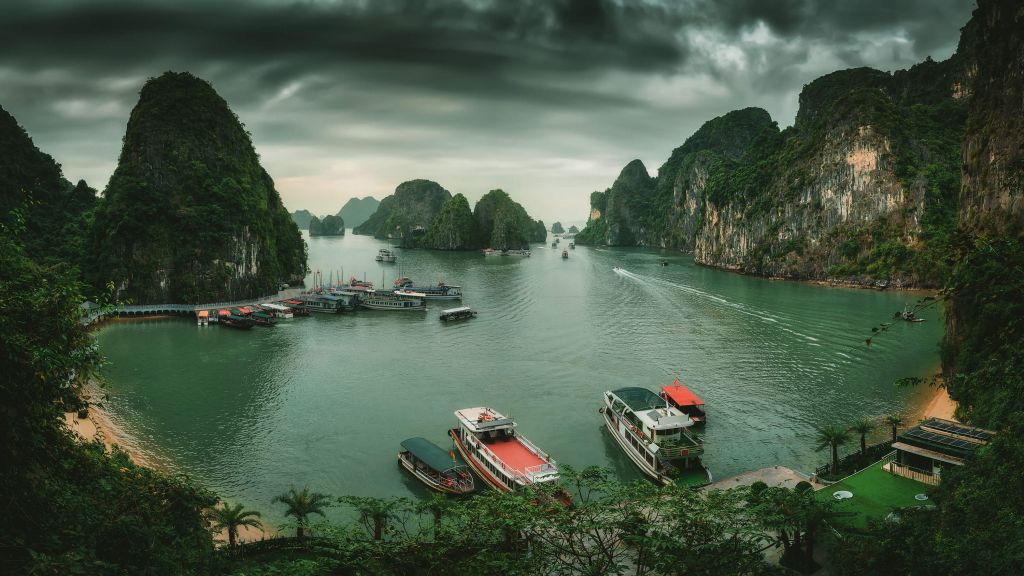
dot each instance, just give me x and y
(940, 406)
(98, 425)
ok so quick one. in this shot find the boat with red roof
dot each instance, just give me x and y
(504, 458)
(686, 402)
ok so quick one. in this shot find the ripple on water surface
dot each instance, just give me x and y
(325, 400)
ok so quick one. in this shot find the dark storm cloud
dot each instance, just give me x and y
(499, 89)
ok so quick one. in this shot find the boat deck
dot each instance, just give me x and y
(515, 455)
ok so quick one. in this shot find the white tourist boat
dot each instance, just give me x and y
(278, 310)
(499, 454)
(392, 300)
(386, 255)
(440, 292)
(460, 313)
(656, 436)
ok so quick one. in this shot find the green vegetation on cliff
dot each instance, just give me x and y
(358, 210)
(863, 185)
(503, 224)
(189, 214)
(329, 226)
(454, 228)
(556, 228)
(56, 214)
(406, 214)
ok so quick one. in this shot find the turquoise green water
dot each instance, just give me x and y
(325, 400)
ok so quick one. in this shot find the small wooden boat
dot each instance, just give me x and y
(460, 313)
(297, 308)
(664, 262)
(203, 317)
(263, 319)
(439, 470)
(236, 321)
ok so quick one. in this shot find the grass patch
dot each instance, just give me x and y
(876, 493)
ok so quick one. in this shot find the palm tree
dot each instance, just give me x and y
(231, 518)
(894, 420)
(301, 505)
(833, 436)
(862, 427)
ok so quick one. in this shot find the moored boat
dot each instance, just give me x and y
(655, 436)
(440, 292)
(516, 252)
(329, 303)
(263, 319)
(297, 308)
(234, 320)
(386, 255)
(438, 469)
(277, 310)
(392, 300)
(460, 313)
(499, 454)
(686, 402)
(203, 317)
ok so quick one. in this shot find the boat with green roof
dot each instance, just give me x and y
(656, 436)
(439, 470)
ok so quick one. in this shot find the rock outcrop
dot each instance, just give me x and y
(302, 218)
(406, 214)
(454, 228)
(329, 226)
(189, 214)
(862, 187)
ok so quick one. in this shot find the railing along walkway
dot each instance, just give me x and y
(145, 309)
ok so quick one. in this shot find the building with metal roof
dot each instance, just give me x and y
(922, 452)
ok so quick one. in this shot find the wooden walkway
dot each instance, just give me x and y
(142, 310)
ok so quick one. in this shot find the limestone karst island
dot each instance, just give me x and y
(579, 287)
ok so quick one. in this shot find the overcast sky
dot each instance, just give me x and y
(546, 100)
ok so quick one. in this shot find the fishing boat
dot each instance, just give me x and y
(499, 454)
(664, 262)
(686, 402)
(297, 308)
(277, 310)
(461, 313)
(440, 292)
(565, 254)
(393, 300)
(908, 315)
(439, 470)
(386, 255)
(655, 436)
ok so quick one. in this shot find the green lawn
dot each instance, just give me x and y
(876, 493)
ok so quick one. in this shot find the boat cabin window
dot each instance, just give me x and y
(668, 432)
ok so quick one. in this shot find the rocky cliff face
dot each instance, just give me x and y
(862, 187)
(406, 214)
(302, 218)
(503, 224)
(992, 196)
(454, 227)
(189, 214)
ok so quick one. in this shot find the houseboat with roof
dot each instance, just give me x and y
(263, 319)
(499, 454)
(686, 402)
(277, 310)
(298, 308)
(226, 318)
(655, 436)
(460, 313)
(386, 255)
(203, 317)
(439, 470)
(334, 303)
(440, 292)
(393, 300)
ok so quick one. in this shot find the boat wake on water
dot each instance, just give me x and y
(741, 308)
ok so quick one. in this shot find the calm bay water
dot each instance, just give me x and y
(325, 400)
